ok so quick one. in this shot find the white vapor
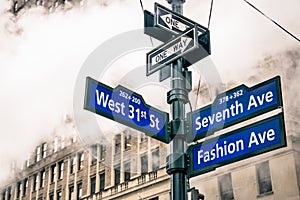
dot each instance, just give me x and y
(41, 54)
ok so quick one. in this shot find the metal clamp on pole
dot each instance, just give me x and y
(177, 94)
(176, 5)
(176, 162)
(178, 126)
(188, 80)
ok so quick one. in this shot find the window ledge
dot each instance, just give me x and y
(94, 162)
(265, 194)
(79, 170)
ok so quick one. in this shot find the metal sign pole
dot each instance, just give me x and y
(177, 98)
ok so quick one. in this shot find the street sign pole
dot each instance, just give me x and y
(177, 98)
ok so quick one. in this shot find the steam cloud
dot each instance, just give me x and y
(40, 56)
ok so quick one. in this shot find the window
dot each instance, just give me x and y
(80, 160)
(117, 175)
(16, 7)
(25, 186)
(155, 198)
(144, 164)
(44, 150)
(94, 154)
(127, 171)
(3, 194)
(42, 179)
(71, 193)
(51, 196)
(18, 189)
(72, 165)
(102, 181)
(93, 185)
(55, 144)
(38, 154)
(155, 160)
(53, 173)
(59, 195)
(61, 169)
(127, 141)
(34, 182)
(225, 186)
(102, 152)
(79, 190)
(62, 142)
(264, 178)
(28, 162)
(118, 144)
(74, 138)
(9, 191)
(143, 137)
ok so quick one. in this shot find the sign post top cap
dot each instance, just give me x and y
(176, 1)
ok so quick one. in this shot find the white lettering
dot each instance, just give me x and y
(259, 100)
(101, 98)
(269, 96)
(219, 151)
(253, 139)
(154, 122)
(198, 123)
(200, 156)
(260, 138)
(252, 102)
(117, 107)
(271, 135)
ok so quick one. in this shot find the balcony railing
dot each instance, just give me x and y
(136, 182)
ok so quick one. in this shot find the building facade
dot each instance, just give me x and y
(133, 167)
(130, 168)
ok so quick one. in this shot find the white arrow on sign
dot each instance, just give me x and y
(173, 23)
(179, 46)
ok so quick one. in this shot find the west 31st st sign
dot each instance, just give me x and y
(127, 107)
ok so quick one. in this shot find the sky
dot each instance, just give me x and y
(41, 56)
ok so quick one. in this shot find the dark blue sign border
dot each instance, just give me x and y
(280, 117)
(194, 137)
(164, 138)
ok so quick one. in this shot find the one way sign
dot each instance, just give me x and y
(173, 22)
(168, 52)
(177, 47)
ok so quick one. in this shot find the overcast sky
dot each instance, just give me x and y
(40, 55)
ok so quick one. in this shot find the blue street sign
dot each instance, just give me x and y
(174, 49)
(252, 140)
(233, 106)
(126, 107)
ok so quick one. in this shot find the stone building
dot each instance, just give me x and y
(63, 168)
(133, 167)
